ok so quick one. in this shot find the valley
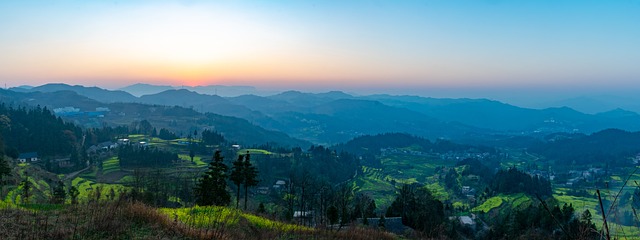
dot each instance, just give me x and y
(481, 176)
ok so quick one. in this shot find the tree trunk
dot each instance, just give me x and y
(245, 196)
(238, 196)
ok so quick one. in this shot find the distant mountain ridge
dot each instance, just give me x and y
(96, 93)
(140, 89)
(332, 117)
(600, 103)
(176, 118)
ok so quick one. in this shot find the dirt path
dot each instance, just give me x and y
(74, 174)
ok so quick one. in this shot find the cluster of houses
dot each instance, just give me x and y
(577, 175)
(542, 174)
(109, 145)
(463, 155)
(73, 111)
(102, 147)
(636, 159)
(278, 186)
(443, 156)
(389, 151)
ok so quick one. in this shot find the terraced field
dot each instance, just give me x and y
(381, 183)
(88, 188)
(514, 201)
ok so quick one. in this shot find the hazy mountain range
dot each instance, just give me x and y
(335, 116)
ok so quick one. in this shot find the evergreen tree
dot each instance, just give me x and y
(237, 176)
(192, 151)
(586, 216)
(211, 138)
(59, 195)
(212, 188)
(73, 193)
(250, 177)
(418, 208)
(26, 189)
(5, 170)
(332, 214)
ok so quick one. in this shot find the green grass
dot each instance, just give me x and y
(619, 231)
(126, 179)
(404, 168)
(581, 204)
(520, 200)
(110, 165)
(87, 187)
(438, 191)
(7, 204)
(488, 205)
(254, 151)
(203, 217)
(459, 204)
(511, 201)
(264, 223)
(197, 160)
(215, 216)
(89, 175)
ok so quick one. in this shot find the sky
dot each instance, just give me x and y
(432, 46)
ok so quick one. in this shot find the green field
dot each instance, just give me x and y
(488, 205)
(197, 160)
(254, 151)
(382, 183)
(110, 165)
(376, 185)
(87, 189)
(412, 168)
(514, 201)
(216, 217)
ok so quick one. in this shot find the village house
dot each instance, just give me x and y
(279, 185)
(263, 190)
(102, 147)
(467, 221)
(28, 157)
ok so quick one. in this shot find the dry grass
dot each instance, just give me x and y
(129, 220)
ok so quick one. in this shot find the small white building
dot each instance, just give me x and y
(467, 221)
(303, 214)
(279, 184)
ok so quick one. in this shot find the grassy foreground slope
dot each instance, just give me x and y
(126, 220)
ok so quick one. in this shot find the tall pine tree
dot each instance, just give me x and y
(212, 187)
(250, 177)
(237, 176)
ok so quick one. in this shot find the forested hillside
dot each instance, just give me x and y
(37, 130)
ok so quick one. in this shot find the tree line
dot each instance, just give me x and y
(211, 188)
(131, 155)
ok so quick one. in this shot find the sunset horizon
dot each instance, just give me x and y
(322, 45)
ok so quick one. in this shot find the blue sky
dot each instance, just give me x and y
(353, 45)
